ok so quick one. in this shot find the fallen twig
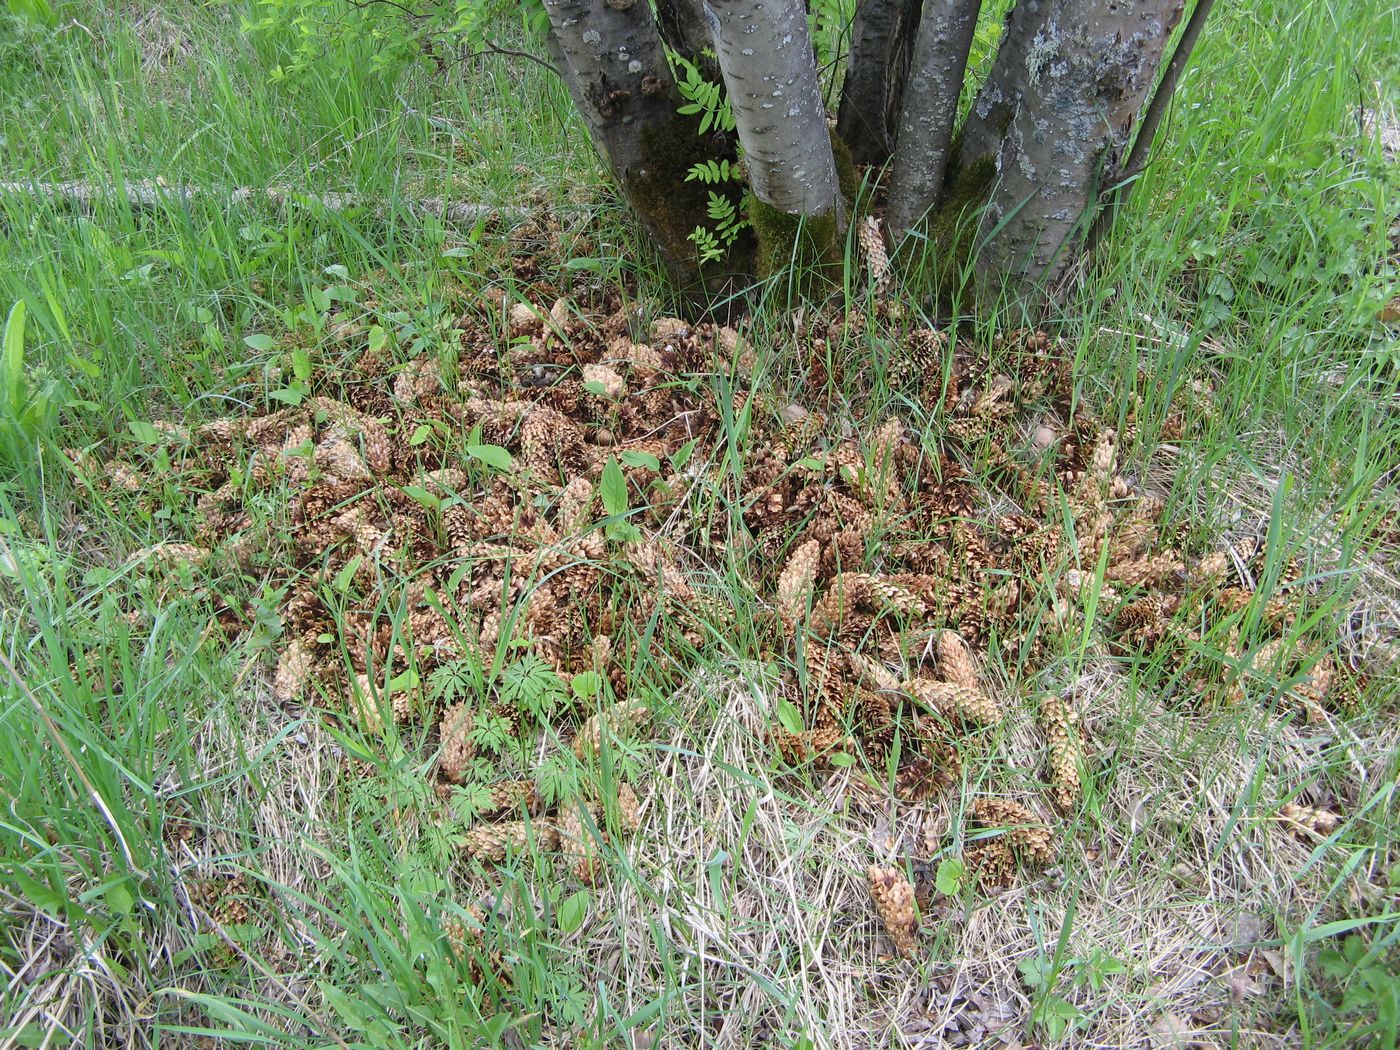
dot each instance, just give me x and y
(148, 193)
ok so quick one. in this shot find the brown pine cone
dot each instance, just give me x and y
(1307, 822)
(629, 809)
(796, 580)
(619, 718)
(294, 670)
(955, 662)
(458, 747)
(991, 861)
(509, 795)
(577, 843)
(1152, 570)
(893, 896)
(955, 701)
(1062, 751)
(1028, 836)
(492, 842)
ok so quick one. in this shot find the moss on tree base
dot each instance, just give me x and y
(808, 245)
(672, 206)
(944, 253)
(811, 246)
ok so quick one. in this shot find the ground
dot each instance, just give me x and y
(417, 634)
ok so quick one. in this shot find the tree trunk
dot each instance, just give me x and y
(686, 32)
(1085, 73)
(616, 71)
(765, 54)
(930, 110)
(995, 104)
(882, 40)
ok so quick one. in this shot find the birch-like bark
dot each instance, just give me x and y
(930, 110)
(882, 42)
(765, 54)
(990, 116)
(616, 70)
(1087, 71)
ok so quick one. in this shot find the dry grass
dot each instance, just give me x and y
(1183, 871)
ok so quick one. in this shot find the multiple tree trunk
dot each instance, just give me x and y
(1040, 145)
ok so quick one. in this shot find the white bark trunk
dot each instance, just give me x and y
(930, 110)
(765, 54)
(1088, 69)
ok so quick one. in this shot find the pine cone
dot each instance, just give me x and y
(492, 842)
(872, 246)
(955, 701)
(462, 935)
(991, 861)
(366, 699)
(508, 795)
(458, 747)
(1153, 570)
(1023, 831)
(1316, 688)
(577, 844)
(893, 896)
(796, 580)
(294, 670)
(338, 457)
(629, 809)
(955, 663)
(921, 778)
(1212, 570)
(1062, 751)
(1308, 822)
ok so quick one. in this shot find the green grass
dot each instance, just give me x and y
(142, 753)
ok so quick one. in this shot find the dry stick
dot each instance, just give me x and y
(151, 194)
(1136, 162)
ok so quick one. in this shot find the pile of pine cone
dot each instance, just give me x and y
(894, 564)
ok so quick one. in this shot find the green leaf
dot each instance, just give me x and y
(40, 894)
(789, 717)
(301, 364)
(491, 455)
(420, 434)
(288, 395)
(378, 338)
(612, 488)
(144, 432)
(119, 898)
(681, 456)
(421, 495)
(573, 911)
(585, 685)
(344, 577)
(259, 342)
(1036, 971)
(635, 458)
(1057, 1015)
(408, 680)
(841, 759)
(14, 358)
(948, 880)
